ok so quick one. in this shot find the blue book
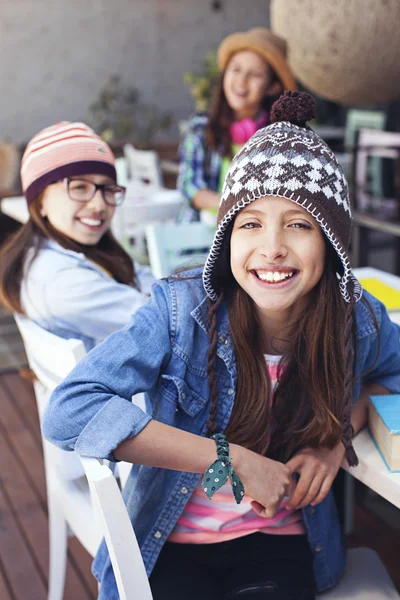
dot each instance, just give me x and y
(384, 424)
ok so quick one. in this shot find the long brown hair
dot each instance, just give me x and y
(108, 254)
(221, 117)
(313, 398)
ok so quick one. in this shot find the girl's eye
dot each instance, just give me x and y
(300, 225)
(249, 225)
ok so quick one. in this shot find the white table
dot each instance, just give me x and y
(372, 470)
(16, 208)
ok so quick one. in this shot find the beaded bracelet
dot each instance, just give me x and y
(216, 475)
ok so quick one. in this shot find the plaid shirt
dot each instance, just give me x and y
(199, 168)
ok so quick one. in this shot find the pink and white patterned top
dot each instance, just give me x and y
(221, 519)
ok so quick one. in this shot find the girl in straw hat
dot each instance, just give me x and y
(63, 268)
(254, 73)
(258, 370)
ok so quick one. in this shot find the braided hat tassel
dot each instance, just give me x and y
(348, 430)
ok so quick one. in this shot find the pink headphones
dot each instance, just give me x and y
(241, 131)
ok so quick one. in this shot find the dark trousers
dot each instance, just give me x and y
(254, 567)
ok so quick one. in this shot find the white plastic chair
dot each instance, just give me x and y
(112, 516)
(143, 166)
(70, 505)
(172, 246)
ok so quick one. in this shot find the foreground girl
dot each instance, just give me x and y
(273, 351)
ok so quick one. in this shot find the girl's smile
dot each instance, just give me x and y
(277, 256)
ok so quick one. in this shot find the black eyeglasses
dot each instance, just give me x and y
(82, 190)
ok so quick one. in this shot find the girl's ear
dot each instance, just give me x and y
(274, 89)
(43, 210)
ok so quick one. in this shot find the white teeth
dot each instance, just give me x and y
(91, 222)
(274, 275)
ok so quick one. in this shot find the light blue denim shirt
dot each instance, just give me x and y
(164, 352)
(72, 297)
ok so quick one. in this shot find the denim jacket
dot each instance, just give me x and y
(69, 295)
(164, 352)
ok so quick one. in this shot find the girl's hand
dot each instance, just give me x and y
(266, 481)
(317, 468)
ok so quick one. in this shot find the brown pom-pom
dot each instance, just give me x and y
(295, 107)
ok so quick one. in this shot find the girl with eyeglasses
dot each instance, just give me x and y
(63, 268)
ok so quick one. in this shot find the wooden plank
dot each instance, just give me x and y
(24, 402)
(82, 561)
(26, 510)
(25, 447)
(5, 592)
(22, 571)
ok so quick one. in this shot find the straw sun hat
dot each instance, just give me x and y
(263, 42)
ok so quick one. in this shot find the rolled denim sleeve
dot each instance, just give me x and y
(382, 365)
(91, 410)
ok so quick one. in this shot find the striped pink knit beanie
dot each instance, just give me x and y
(63, 150)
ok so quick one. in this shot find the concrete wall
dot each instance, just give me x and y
(55, 55)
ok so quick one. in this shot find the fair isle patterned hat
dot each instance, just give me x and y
(289, 160)
(64, 150)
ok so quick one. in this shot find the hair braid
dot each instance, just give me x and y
(212, 355)
(348, 430)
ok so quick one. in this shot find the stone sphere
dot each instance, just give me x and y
(347, 51)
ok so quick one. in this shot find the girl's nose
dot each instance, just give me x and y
(273, 245)
(97, 202)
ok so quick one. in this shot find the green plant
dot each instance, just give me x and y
(201, 85)
(118, 114)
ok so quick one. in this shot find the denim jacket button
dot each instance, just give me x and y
(183, 396)
(230, 391)
(224, 340)
(184, 490)
(318, 548)
(158, 534)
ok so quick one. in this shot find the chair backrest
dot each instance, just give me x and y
(143, 166)
(357, 119)
(172, 246)
(111, 513)
(121, 167)
(51, 358)
(375, 144)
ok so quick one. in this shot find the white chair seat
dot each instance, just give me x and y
(365, 578)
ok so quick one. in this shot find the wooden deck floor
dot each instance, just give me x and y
(23, 515)
(23, 512)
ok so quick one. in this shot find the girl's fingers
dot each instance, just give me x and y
(258, 508)
(302, 487)
(324, 491)
(312, 493)
(295, 464)
(268, 512)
